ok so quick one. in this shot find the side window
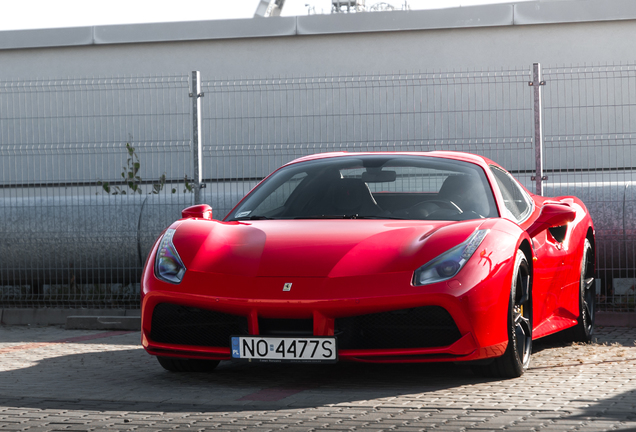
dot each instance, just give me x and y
(515, 199)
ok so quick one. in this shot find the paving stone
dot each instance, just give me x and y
(521, 428)
(100, 385)
(298, 429)
(449, 428)
(408, 429)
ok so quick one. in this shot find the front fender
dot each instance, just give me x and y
(488, 278)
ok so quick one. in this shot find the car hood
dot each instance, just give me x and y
(315, 248)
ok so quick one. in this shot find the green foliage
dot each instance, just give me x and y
(188, 185)
(132, 180)
(130, 174)
(158, 187)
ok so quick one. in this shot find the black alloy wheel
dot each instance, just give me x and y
(516, 359)
(584, 328)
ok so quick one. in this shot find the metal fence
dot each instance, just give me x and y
(93, 169)
(87, 167)
(589, 136)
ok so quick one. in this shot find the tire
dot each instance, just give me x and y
(516, 359)
(187, 365)
(584, 328)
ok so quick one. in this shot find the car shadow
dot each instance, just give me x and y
(558, 340)
(131, 377)
(621, 407)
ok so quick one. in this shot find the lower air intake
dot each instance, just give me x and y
(422, 327)
(182, 325)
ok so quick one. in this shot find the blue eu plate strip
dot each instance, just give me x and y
(236, 353)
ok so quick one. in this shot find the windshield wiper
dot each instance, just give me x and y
(354, 216)
(252, 218)
(324, 217)
(379, 217)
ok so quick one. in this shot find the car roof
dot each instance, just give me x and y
(460, 156)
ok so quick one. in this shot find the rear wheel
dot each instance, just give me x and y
(584, 328)
(187, 365)
(515, 360)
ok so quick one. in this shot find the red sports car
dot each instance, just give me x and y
(373, 257)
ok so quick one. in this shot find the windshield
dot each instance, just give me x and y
(372, 187)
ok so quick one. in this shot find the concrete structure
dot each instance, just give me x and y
(490, 36)
(59, 316)
(102, 322)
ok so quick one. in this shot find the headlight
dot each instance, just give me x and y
(168, 264)
(450, 262)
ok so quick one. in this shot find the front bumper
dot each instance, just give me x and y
(382, 318)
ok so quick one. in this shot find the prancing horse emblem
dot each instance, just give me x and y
(287, 287)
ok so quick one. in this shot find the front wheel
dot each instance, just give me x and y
(584, 328)
(515, 360)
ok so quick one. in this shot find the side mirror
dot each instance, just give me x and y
(552, 215)
(200, 211)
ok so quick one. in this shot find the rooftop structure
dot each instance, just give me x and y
(495, 15)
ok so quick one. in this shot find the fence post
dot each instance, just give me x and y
(536, 84)
(197, 154)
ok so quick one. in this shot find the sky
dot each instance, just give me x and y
(33, 14)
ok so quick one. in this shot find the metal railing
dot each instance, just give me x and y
(93, 169)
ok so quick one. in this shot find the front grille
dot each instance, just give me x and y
(422, 327)
(285, 327)
(182, 325)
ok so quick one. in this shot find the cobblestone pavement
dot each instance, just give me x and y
(56, 379)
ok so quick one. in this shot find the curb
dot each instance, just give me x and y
(103, 323)
(615, 319)
(56, 316)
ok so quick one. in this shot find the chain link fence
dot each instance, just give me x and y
(93, 169)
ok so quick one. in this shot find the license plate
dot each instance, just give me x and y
(285, 349)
